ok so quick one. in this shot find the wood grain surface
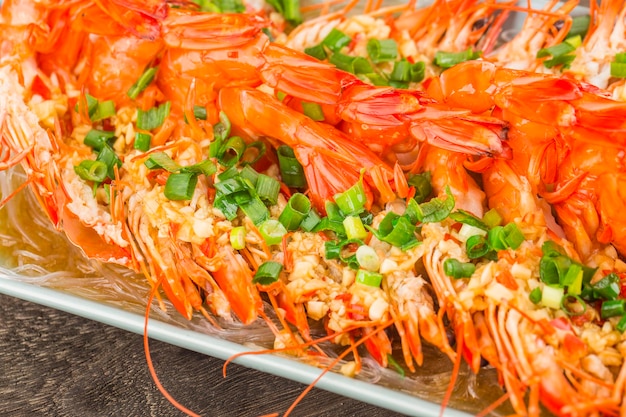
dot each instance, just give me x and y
(56, 364)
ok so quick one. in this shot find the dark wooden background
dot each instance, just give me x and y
(55, 364)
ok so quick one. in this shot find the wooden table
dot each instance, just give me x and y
(56, 364)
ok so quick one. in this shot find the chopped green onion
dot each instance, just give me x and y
(326, 224)
(253, 153)
(621, 325)
(354, 227)
(352, 201)
(228, 207)
(238, 237)
(267, 273)
(104, 110)
(252, 206)
(575, 41)
(608, 288)
(88, 170)
(162, 160)
(535, 295)
(233, 172)
(573, 305)
(267, 188)
(317, 52)
(395, 229)
(562, 60)
(143, 82)
(551, 297)
(291, 12)
(457, 269)
(465, 217)
(272, 231)
(401, 71)
(332, 250)
(374, 78)
(333, 212)
(367, 258)
(382, 50)
(142, 141)
(504, 237)
(336, 39)
(362, 66)
(247, 172)
(450, 59)
(373, 279)
(423, 187)
(436, 209)
(221, 130)
(553, 268)
(620, 58)
(313, 111)
(206, 167)
(557, 50)
(153, 118)
(492, 218)
(576, 287)
(295, 211)
(343, 62)
(98, 138)
(231, 151)
(613, 308)
(476, 247)
(231, 186)
(310, 221)
(180, 186)
(618, 70)
(572, 274)
(110, 159)
(199, 112)
(580, 25)
(291, 171)
(91, 102)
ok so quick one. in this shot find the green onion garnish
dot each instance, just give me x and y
(476, 247)
(310, 221)
(267, 188)
(450, 59)
(343, 62)
(580, 25)
(618, 70)
(143, 82)
(153, 118)
(313, 111)
(88, 170)
(221, 130)
(382, 50)
(180, 186)
(504, 237)
(295, 211)
(557, 50)
(373, 279)
(272, 231)
(551, 297)
(405, 72)
(238, 237)
(142, 141)
(613, 308)
(291, 171)
(423, 187)
(199, 112)
(621, 325)
(267, 273)
(232, 150)
(316, 51)
(436, 209)
(104, 110)
(98, 138)
(457, 269)
(162, 160)
(573, 305)
(252, 206)
(253, 153)
(608, 288)
(465, 217)
(91, 102)
(535, 295)
(354, 228)
(367, 258)
(110, 159)
(492, 218)
(352, 201)
(395, 229)
(336, 39)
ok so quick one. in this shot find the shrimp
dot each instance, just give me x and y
(538, 31)
(547, 159)
(604, 39)
(536, 351)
